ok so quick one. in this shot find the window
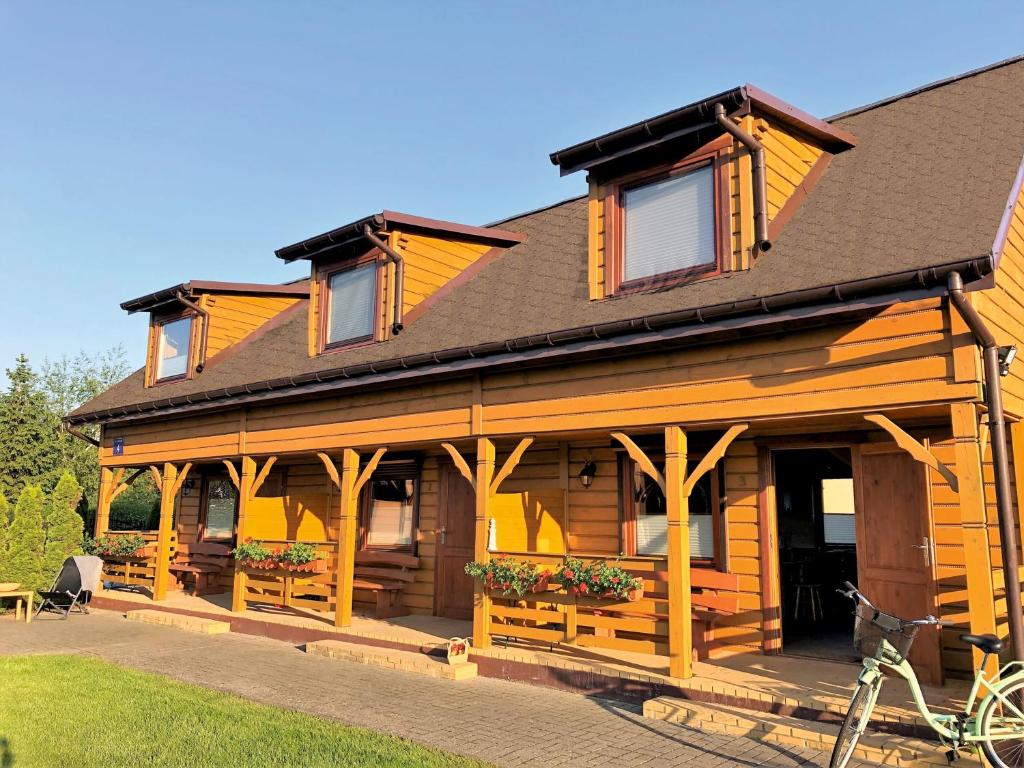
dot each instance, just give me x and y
(389, 504)
(838, 505)
(350, 305)
(220, 505)
(669, 225)
(173, 341)
(646, 523)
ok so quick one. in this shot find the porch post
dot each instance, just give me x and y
(168, 489)
(482, 601)
(102, 521)
(981, 609)
(347, 532)
(245, 481)
(677, 510)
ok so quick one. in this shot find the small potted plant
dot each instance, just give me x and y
(510, 577)
(614, 581)
(576, 577)
(254, 554)
(300, 557)
(458, 650)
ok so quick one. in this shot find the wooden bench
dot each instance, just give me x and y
(709, 606)
(200, 563)
(386, 574)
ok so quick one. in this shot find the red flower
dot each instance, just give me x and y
(615, 579)
(583, 588)
(570, 574)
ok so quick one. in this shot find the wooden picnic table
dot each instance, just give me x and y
(20, 595)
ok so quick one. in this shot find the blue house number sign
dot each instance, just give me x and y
(119, 446)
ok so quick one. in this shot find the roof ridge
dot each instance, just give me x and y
(924, 88)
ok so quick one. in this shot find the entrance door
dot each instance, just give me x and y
(453, 589)
(895, 570)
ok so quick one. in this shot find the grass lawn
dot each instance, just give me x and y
(74, 711)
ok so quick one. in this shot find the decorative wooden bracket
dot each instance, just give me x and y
(262, 476)
(118, 487)
(364, 476)
(233, 474)
(510, 464)
(460, 463)
(641, 459)
(158, 479)
(180, 479)
(712, 457)
(914, 448)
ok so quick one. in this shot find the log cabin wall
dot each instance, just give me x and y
(235, 316)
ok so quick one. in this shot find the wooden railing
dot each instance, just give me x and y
(135, 571)
(293, 589)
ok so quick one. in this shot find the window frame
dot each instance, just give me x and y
(157, 324)
(324, 275)
(714, 156)
(627, 512)
(364, 514)
(204, 497)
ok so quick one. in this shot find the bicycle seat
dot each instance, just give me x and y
(987, 643)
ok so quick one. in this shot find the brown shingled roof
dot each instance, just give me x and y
(925, 186)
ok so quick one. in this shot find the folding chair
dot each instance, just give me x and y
(79, 577)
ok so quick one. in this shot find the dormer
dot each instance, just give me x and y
(696, 192)
(370, 278)
(191, 323)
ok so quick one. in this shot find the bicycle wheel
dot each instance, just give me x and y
(997, 718)
(853, 726)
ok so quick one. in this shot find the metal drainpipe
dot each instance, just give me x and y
(395, 258)
(758, 171)
(81, 435)
(201, 363)
(997, 439)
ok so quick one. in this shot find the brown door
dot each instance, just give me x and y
(894, 553)
(453, 596)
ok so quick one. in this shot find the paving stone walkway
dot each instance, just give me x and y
(538, 726)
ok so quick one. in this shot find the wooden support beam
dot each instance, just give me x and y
(913, 447)
(262, 476)
(347, 532)
(332, 471)
(233, 474)
(482, 487)
(162, 573)
(460, 463)
(974, 524)
(712, 457)
(641, 459)
(1017, 453)
(510, 464)
(368, 470)
(102, 521)
(158, 479)
(245, 494)
(677, 513)
(180, 481)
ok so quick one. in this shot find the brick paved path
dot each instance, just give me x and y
(539, 726)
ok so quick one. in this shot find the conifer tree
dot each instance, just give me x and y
(5, 525)
(26, 540)
(30, 433)
(62, 525)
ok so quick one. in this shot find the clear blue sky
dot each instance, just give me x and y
(144, 144)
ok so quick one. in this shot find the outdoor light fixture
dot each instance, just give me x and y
(187, 488)
(1006, 357)
(588, 473)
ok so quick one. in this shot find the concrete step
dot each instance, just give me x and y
(407, 661)
(189, 623)
(881, 748)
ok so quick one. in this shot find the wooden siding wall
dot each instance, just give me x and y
(430, 262)
(1002, 307)
(789, 157)
(233, 317)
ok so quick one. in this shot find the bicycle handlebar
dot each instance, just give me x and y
(855, 594)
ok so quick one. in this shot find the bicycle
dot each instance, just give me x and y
(884, 641)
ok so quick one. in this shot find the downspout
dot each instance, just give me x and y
(762, 243)
(201, 362)
(395, 258)
(81, 435)
(997, 431)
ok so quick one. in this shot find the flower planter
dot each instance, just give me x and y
(314, 566)
(542, 584)
(138, 554)
(458, 650)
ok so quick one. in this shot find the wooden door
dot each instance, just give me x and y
(453, 589)
(894, 538)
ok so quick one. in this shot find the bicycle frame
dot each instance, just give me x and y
(956, 727)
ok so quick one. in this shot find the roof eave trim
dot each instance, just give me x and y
(1007, 219)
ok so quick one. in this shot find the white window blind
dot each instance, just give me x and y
(669, 225)
(172, 357)
(391, 513)
(351, 303)
(652, 535)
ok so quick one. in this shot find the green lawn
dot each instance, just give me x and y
(74, 711)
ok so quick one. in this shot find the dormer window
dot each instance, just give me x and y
(351, 304)
(173, 344)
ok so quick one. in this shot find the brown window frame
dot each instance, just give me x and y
(157, 323)
(364, 518)
(714, 155)
(324, 275)
(627, 512)
(204, 498)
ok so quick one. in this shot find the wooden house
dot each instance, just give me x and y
(750, 361)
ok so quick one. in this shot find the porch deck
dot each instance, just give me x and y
(806, 688)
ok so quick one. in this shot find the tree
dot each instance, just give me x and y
(30, 451)
(5, 525)
(26, 540)
(62, 525)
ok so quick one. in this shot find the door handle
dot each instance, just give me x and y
(926, 549)
(443, 533)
